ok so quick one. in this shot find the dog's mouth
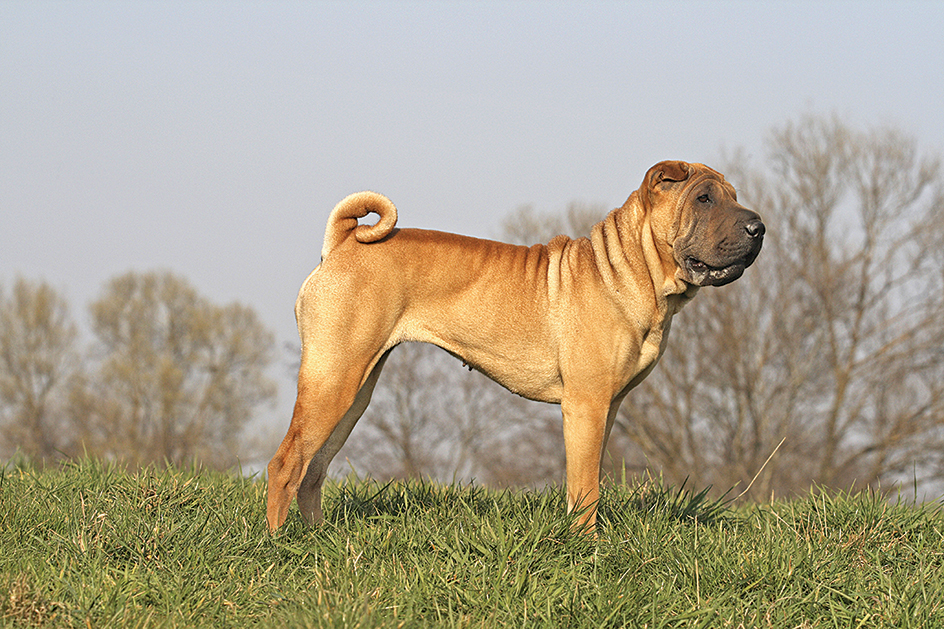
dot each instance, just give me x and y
(703, 274)
(728, 260)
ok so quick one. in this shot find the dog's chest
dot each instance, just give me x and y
(651, 349)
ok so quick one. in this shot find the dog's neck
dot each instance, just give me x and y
(658, 256)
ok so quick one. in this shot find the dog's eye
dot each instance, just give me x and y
(704, 198)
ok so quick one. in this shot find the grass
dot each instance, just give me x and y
(90, 545)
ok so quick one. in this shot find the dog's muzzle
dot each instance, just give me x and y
(731, 256)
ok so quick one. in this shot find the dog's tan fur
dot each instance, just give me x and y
(574, 322)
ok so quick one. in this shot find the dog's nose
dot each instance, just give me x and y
(755, 228)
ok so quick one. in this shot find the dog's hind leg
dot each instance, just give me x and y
(325, 413)
(309, 492)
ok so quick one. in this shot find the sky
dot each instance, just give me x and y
(212, 139)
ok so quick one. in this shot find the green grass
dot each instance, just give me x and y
(93, 546)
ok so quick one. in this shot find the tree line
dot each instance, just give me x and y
(823, 365)
(170, 377)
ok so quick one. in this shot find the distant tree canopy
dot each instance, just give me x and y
(38, 358)
(170, 377)
(823, 364)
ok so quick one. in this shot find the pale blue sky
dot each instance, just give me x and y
(213, 138)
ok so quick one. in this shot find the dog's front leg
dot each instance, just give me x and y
(585, 419)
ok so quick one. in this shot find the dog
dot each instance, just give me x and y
(574, 322)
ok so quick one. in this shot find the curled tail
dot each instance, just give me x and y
(343, 220)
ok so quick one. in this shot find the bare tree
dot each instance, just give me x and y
(526, 226)
(432, 418)
(178, 376)
(502, 439)
(831, 344)
(37, 359)
(406, 416)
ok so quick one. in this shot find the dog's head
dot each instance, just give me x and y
(695, 212)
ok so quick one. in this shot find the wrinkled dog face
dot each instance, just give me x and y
(717, 237)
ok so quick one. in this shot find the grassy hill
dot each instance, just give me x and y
(90, 545)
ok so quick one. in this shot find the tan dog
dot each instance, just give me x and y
(575, 322)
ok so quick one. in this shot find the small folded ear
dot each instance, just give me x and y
(668, 171)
